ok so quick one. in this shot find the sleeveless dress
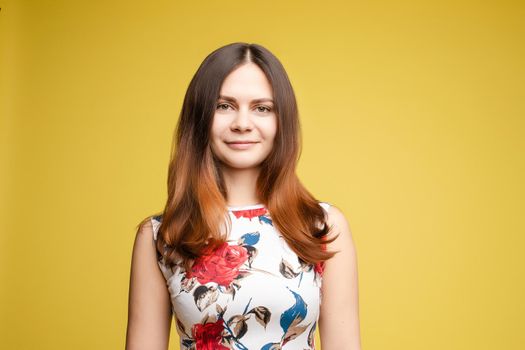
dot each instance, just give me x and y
(251, 293)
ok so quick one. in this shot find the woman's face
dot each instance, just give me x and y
(244, 124)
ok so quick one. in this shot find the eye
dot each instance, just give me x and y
(221, 105)
(265, 109)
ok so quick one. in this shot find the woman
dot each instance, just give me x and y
(243, 256)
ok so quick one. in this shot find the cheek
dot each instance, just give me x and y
(270, 130)
(217, 128)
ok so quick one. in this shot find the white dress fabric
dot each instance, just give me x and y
(251, 293)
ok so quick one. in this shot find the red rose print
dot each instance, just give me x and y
(249, 213)
(208, 336)
(221, 265)
(319, 267)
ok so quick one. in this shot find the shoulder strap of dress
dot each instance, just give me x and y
(325, 205)
(155, 222)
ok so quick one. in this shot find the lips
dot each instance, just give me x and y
(241, 145)
(241, 142)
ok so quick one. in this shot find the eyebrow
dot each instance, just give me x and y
(257, 100)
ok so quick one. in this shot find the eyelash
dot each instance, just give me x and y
(268, 109)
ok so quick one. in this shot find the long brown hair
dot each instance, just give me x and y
(196, 207)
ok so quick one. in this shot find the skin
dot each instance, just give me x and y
(339, 314)
(239, 117)
(149, 305)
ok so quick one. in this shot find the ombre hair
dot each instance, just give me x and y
(196, 208)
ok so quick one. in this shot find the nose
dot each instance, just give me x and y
(242, 121)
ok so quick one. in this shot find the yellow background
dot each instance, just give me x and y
(413, 125)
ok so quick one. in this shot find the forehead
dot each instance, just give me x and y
(247, 82)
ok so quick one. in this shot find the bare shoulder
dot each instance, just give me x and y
(144, 247)
(149, 308)
(341, 228)
(339, 316)
(145, 228)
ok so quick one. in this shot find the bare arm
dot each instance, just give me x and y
(339, 314)
(149, 306)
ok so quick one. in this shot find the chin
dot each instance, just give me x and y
(242, 166)
(236, 164)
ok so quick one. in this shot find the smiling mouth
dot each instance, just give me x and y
(241, 145)
(241, 142)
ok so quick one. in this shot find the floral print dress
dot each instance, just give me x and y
(251, 293)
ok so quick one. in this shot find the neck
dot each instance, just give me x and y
(241, 185)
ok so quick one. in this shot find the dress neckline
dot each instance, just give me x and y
(245, 207)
